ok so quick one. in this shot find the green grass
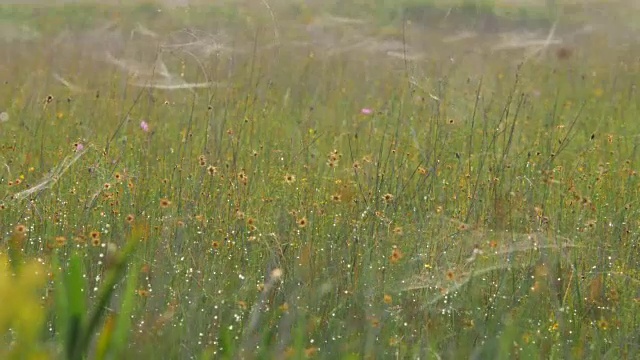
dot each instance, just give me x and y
(487, 208)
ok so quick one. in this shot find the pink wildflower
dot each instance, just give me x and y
(366, 111)
(79, 147)
(144, 126)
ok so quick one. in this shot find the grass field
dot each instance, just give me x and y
(335, 180)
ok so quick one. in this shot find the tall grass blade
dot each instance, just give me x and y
(123, 320)
(76, 304)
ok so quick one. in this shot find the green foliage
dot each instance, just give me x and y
(76, 325)
(335, 192)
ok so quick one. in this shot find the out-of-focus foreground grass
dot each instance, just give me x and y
(326, 180)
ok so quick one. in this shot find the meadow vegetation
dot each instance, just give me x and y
(337, 180)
